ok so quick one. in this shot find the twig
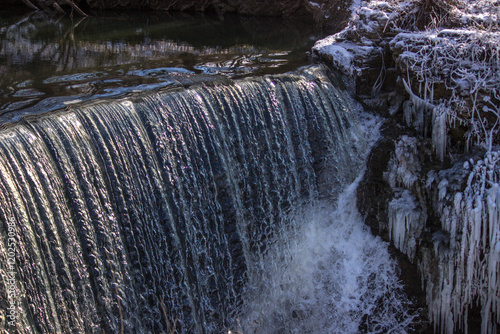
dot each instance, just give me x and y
(75, 7)
(30, 5)
(58, 8)
(171, 329)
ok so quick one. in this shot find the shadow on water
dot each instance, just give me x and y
(47, 62)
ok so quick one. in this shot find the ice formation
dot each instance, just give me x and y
(406, 221)
(406, 216)
(439, 131)
(467, 251)
(404, 165)
(462, 270)
(462, 61)
(452, 77)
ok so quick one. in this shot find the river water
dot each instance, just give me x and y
(47, 62)
(169, 172)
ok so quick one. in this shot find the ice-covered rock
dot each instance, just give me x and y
(459, 262)
(446, 219)
(358, 50)
(454, 74)
(464, 270)
(404, 166)
(406, 221)
(349, 57)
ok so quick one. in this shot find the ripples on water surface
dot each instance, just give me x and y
(46, 63)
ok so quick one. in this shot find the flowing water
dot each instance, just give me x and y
(227, 206)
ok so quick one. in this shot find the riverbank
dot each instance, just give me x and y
(331, 15)
(431, 188)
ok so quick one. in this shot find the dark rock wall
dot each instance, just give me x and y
(7, 3)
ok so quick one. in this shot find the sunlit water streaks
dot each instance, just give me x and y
(134, 214)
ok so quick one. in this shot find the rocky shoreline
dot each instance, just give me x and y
(431, 186)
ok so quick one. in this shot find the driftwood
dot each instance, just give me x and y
(51, 5)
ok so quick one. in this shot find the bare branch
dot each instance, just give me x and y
(30, 5)
(75, 7)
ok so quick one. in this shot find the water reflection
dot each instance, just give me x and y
(46, 62)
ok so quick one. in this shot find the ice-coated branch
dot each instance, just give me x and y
(413, 97)
(465, 62)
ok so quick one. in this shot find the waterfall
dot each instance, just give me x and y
(158, 210)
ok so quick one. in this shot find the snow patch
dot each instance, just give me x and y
(348, 57)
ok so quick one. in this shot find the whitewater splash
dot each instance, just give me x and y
(327, 273)
(333, 276)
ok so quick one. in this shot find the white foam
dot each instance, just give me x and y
(328, 275)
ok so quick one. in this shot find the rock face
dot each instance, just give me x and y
(432, 183)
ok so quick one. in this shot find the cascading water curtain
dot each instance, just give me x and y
(150, 213)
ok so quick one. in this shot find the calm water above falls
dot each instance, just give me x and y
(211, 208)
(45, 62)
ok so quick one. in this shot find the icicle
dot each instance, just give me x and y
(439, 131)
(468, 264)
(417, 108)
(442, 189)
(407, 112)
(404, 165)
(431, 178)
(406, 221)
